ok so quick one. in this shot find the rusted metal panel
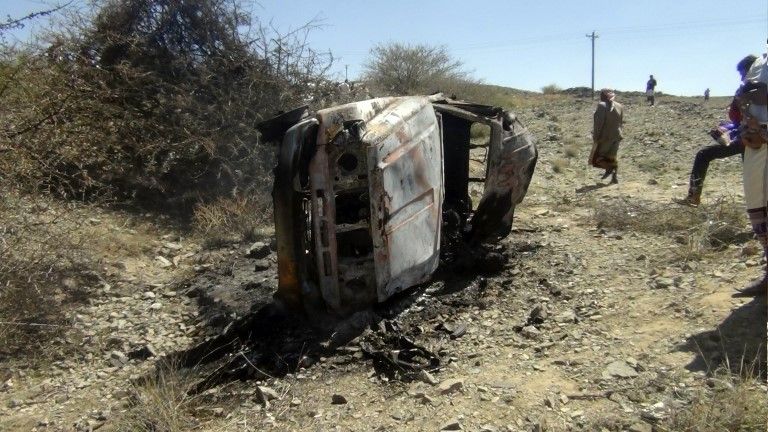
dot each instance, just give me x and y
(512, 159)
(406, 178)
(289, 217)
(396, 159)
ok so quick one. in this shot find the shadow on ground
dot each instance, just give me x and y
(738, 343)
(590, 188)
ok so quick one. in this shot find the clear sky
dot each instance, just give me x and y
(688, 45)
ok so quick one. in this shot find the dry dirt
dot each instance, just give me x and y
(603, 314)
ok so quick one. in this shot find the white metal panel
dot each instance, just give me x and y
(406, 187)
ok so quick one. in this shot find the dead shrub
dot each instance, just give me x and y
(43, 266)
(734, 403)
(697, 230)
(651, 164)
(151, 102)
(479, 132)
(163, 404)
(560, 164)
(571, 149)
(232, 219)
(551, 89)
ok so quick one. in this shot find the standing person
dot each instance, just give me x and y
(650, 90)
(728, 143)
(606, 135)
(706, 95)
(754, 110)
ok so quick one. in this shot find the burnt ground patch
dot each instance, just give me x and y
(250, 337)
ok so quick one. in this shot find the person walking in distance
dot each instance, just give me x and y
(607, 134)
(706, 95)
(650, 91)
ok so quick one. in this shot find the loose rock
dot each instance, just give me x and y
(338, 399)
(451, 386)
(451, 425)
(257, 250)
(619, 369)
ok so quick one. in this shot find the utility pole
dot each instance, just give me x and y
(346, 72)
(593, 36)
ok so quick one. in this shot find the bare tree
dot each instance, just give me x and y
(12, 23)
(404, 69)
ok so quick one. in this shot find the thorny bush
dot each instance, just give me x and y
(153, 101)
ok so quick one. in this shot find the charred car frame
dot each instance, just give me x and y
(365, 192)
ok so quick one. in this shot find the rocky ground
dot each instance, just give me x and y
(611, 310)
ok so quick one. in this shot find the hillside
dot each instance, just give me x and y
(611, 310)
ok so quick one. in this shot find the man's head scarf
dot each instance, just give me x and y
(607, 95)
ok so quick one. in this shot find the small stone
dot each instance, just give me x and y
(640, 427)
(156, 306)
(538, 314)
(619, 369)
(451, 425)
(163, 261)
(257, 250)
(664, 282)
(530, 332)
(427, 377)
(451, 386)
(172, 245)
(100, 415)
(149, 295)
(265, 394)
(118, 359)
(568, 316)
(423, 398)
(143, 353)
(338, 399)
(295, 402)
(14, 403)
(261, 265)
(550, 401)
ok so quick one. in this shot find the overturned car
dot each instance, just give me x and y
(364, 194)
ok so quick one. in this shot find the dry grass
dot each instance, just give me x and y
(560, 164)
(241, 218)
(571, 149)
(43, 266)
(732, 404)
(163, 404)
(698, 231)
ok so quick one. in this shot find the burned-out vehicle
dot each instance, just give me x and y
(364, 192)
